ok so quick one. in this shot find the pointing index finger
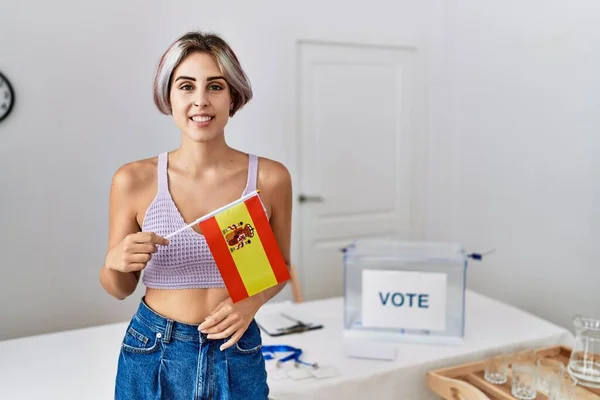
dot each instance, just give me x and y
(151, 237)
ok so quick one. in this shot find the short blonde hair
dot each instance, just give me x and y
(209, 43)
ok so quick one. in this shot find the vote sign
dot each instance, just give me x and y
(404, 299)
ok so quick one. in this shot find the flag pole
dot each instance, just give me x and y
(213, 213)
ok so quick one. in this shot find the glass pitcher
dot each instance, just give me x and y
(584, 364)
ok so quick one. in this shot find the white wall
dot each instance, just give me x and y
(520, 140)
(83, 74)
(512, 99)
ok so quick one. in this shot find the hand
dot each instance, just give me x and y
(229, 319)
(134, 251)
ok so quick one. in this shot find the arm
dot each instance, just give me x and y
(281, 223)
(122, 222)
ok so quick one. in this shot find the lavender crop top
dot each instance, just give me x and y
(186, 262)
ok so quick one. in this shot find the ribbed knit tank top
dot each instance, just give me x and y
(186, 262)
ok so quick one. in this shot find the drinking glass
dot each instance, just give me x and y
(524, 375)
(495, 368)
(548, 369)
(562, 387)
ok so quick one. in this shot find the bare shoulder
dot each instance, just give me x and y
(133, 187)
(136, 176)
(273, 175)
(275, 183)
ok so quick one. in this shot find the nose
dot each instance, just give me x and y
(200, 99)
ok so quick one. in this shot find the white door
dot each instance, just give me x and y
(360, 112)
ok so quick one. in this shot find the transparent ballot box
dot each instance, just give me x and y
(405, 291)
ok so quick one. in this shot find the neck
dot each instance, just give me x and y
(198, 158)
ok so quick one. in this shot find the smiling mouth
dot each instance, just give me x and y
(204, 118)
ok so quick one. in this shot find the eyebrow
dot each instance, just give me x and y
(189, 78)
(210, 78)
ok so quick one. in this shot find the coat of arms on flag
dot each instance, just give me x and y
(244, 247)
(237, 236)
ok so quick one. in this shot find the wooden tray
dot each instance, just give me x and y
(466, 382)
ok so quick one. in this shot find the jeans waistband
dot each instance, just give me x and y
(166, 326)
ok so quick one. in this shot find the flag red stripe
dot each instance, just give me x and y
(267, 238)
(222, 255)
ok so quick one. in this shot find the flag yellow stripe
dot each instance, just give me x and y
(251, 260)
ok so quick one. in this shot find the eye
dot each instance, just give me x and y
(186, 87)
(215, 87)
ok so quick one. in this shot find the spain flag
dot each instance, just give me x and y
(244, 247)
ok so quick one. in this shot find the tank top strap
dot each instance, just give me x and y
(162, 174)
(252, 173)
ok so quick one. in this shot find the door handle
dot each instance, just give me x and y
(315, 199)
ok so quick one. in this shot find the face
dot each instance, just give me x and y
(200, 98)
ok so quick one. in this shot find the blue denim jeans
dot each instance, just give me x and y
(165, 359)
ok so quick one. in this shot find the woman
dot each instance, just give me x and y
(187, 339)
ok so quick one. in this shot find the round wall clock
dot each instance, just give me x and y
(7, 97)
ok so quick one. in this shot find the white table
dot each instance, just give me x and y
(81, 364)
